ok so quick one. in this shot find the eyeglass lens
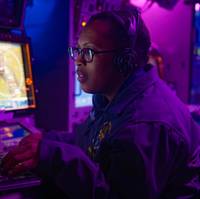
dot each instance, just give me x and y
(86, 53)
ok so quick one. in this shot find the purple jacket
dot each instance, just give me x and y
(143, 145)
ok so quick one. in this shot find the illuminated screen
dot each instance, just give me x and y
(195, 70)
(194, 106)
(16, 86)
(82, 99)
(10, 136)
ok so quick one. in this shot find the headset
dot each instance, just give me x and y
(125, 59)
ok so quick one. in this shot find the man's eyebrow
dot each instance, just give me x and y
(85, 44)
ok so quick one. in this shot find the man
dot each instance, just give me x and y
(139, 140)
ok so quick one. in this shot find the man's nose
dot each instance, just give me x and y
(80, 60)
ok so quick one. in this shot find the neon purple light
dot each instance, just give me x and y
(197, 7)
(139, 3)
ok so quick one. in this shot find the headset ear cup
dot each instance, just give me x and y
(124, 62)
(118, 61)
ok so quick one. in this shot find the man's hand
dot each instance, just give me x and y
(23, 157)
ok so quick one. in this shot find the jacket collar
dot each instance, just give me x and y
(135, 85)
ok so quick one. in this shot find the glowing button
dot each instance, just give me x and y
(83, 24)
(29, 81)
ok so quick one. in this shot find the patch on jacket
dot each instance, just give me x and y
(96, 141)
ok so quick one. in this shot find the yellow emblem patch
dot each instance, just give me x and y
(92, 149)
(105, 129)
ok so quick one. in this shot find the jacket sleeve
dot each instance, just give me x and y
(71, 170)
(150, 161)
(140, 158)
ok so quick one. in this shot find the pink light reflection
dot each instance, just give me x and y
(138, 3)
(197, 7)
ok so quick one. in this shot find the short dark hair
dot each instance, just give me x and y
(128, 27)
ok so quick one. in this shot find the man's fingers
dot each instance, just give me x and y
(22, 167)
(12, 158)
(8, 161)
(23, 156)
(26, 153)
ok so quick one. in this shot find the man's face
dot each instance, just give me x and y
(98, 76)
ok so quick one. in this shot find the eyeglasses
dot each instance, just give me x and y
(86, 53)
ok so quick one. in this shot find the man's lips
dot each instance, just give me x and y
(81, 76)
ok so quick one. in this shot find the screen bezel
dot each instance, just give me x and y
(24, 43)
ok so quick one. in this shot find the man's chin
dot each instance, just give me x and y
(87, 90)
